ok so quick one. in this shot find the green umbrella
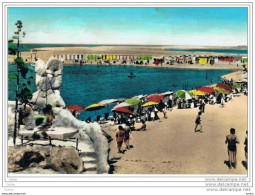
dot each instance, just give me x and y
(237, 86)
(182, 94)
(133, 101)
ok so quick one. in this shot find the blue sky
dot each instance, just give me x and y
(156, 26)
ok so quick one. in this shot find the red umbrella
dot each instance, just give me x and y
(122, 110)
(155, 97)
(75, 108)
(209, 90)
(224, 86)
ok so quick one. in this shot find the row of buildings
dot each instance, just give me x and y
(156, 60)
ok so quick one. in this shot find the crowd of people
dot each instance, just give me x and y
(127, 122)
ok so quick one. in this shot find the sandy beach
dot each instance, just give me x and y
(155, 51)
(170, 146)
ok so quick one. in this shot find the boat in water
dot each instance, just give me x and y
(132, 75)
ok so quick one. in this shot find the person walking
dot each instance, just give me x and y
(232, 140)
(120, 133)
(198, 122)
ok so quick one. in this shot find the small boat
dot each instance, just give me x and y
(132, 75)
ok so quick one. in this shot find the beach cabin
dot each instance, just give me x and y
(226, 59)
(158, 61)
(193, 60)
(109, 57)
(203, 60)
(244, 59)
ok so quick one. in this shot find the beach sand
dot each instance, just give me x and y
(170, 146)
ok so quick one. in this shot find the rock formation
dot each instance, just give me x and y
(48, 84)
(61, 160)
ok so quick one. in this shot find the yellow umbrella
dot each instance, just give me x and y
(149, 104)
(93, 107)
(198, 93)
(221, 90)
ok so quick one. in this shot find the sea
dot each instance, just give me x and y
(86, 85)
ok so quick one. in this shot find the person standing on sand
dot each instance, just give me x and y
(198, 122)
(120, 133)
(246, 147)
(127, 135)
(232, 140)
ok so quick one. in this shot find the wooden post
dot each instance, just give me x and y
(77, 143)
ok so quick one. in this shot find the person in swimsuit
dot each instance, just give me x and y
(232, 140)
(127, 135)
(198, 121)
(120, 133)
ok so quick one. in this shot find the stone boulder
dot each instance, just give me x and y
(62, 160)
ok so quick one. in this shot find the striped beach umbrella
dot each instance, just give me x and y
(182, 94)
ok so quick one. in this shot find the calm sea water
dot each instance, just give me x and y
(85, 85)
(27, 47)
(222, 51)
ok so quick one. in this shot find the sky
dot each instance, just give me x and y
(135, 26)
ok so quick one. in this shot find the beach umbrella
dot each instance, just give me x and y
(182, 94)
(139, 96)
(122, 110)
(208, 90)
(155, 97)
(133, 101)
(75, 108)
(224, 86)
(237, 86)
(149, 104)
(108, 101)
(167, 93)
(94, 107)
(221, 90)
(198, 93)
(123, 104)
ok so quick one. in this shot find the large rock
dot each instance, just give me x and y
(62, 160)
